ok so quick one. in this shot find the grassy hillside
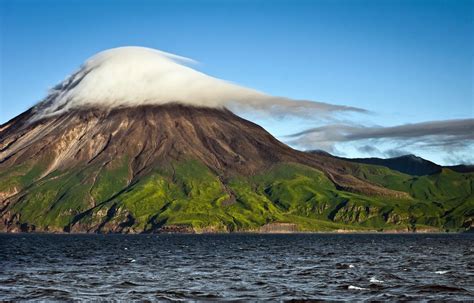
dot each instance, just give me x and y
(190, 197)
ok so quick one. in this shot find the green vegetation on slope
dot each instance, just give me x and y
(191, 197)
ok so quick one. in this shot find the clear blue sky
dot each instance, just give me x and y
(407, 61)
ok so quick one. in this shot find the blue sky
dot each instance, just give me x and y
(405, 61)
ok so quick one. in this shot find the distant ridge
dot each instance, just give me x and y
(407, 164)
(462, 168)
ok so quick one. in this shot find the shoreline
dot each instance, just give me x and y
(273, 228)
(349, 232)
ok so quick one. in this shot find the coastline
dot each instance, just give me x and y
(269, 228)
(243, 232)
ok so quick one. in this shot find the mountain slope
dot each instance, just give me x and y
(180, 168)
(409, 164)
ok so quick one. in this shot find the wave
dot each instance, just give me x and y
(352, 287)
(374, 280)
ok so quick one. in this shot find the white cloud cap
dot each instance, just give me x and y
(131, 76)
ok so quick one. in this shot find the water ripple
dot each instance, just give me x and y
(237, 267)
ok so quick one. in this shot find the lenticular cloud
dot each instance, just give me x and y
(132, 76)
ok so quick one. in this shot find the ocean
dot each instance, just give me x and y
(217, 267)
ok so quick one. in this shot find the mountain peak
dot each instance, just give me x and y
(408, 164)
(411, 157)
(133, 76)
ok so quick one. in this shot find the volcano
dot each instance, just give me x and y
(105, 155)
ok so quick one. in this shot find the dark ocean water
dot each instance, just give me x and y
(237, 267)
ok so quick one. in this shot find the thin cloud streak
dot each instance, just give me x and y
(444, 134)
